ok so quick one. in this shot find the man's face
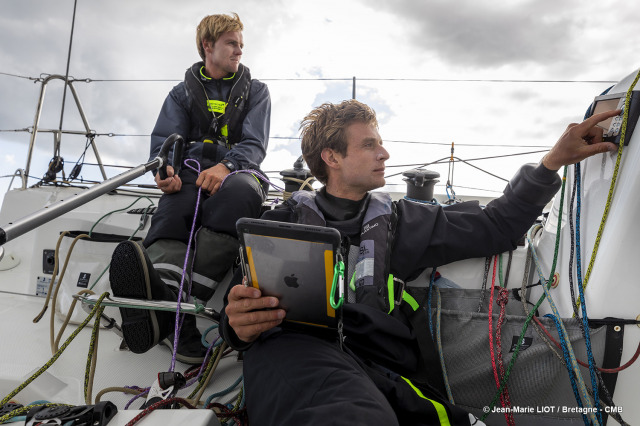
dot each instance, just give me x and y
(224, 56)
(362, 168)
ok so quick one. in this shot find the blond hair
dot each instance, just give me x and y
(326, 127)
(212, 26)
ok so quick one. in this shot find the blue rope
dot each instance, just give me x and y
(585, 319)
(574, 363)
(217, 342)
(223, 392)
(567, 361)
(433, 276)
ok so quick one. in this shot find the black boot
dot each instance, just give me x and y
(132, 275)
(190, 348)
(168, 259)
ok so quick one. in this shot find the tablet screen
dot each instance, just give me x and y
(298, 272)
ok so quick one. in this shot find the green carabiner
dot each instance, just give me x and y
(338, 273)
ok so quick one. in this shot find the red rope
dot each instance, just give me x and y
(239, 416)
(584, 364)
(503, 299)
(157, 405)
(504, 395)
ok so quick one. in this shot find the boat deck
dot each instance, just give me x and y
(26, 349)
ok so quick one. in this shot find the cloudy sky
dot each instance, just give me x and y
(497, 80)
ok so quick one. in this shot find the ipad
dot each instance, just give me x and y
(294, 263)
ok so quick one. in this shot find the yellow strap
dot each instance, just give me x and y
(442, 412)
(390, 293)
(216, 106)
(410, 300)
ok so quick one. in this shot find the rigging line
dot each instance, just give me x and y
(125, 80)
(26, 129)
(66, 77)
(436, 143)
(19, 76)
(487, 80)
(436, 80)
(420, 165)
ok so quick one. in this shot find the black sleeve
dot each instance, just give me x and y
(280, 213)
(429, 235)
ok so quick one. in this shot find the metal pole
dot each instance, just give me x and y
(353, 92)
(22, 226)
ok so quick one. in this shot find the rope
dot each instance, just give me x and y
(504, 399)
(160, 404)
(57, 354)
(585, 319)
(502, 300)
(117, 389)
(223, 392)
(53, 279)
(614, 178)
(307, 182)
(516, 350)
(568, 363)
(431, 281)
(584, 364)
(92, 358)
(483, 292)
(178, 321)
(447, 386)
(569, 349)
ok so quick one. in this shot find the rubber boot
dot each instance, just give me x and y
(168, 260)
(131, 275)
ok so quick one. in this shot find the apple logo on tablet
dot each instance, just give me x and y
(291, 281)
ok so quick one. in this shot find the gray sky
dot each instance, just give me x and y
(400, 52)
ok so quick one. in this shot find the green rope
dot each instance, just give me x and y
(57, 354)
(89, 371)
(614, 178)
(205, 373)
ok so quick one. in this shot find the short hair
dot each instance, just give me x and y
(326, 127)
(212, 26)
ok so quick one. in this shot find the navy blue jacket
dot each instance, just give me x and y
(176, 117)
(427, 236)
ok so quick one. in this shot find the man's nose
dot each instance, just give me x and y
(384, 154)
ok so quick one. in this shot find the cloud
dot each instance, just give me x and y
(488, 34)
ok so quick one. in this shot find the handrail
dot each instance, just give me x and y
(57, 133)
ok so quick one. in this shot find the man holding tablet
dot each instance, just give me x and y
(378, 374)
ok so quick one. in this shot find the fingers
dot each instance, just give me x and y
(246, 313)
(209, 182)
(171, 184)
(590, 122)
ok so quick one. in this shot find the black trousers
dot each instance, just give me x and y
(297, 379)
(240, 196)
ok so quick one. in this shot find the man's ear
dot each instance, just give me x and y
(207, 46)
(330, 157)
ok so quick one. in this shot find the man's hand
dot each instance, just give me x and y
(171, 184)
(211, 178)
(245, 313)
(579, 141)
